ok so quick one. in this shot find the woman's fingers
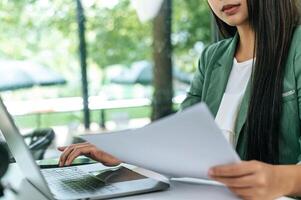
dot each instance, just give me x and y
(249, 180)
(73, 151)
(235, 170)
(68, 150)
(238, 182)
(64, 155)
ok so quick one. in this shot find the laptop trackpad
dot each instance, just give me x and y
(117, 175)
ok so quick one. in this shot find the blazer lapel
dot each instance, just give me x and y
(219, 77)
(218, 83)
(243, 112)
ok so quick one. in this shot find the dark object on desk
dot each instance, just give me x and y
(4, 161)
(53, 163)
(38, 141)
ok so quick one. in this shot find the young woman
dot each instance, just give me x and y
(252, 84)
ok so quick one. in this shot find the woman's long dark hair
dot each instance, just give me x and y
(273, 22)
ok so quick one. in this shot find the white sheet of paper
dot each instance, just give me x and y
(185, 144)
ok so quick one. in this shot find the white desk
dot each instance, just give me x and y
(177, 191)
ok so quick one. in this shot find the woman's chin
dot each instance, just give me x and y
(234, 23)
(235, 20)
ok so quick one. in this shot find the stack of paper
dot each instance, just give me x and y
(185, 144)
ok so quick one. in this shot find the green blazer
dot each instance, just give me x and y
(210, 82)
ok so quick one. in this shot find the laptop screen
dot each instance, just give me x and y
(21, 152)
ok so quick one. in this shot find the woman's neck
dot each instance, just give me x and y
(246, 45)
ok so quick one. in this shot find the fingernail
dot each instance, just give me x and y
(210, 172)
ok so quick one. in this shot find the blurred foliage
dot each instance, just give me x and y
(191, 23)
(46, 31)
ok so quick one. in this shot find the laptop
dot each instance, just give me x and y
(75, 182)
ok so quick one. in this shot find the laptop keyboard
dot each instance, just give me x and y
(73, 180)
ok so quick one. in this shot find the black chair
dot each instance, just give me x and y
(38, 141)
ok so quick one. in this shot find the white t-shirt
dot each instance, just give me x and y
(232, 98)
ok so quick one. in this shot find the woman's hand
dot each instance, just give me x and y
(254, 180)
(73, 151)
